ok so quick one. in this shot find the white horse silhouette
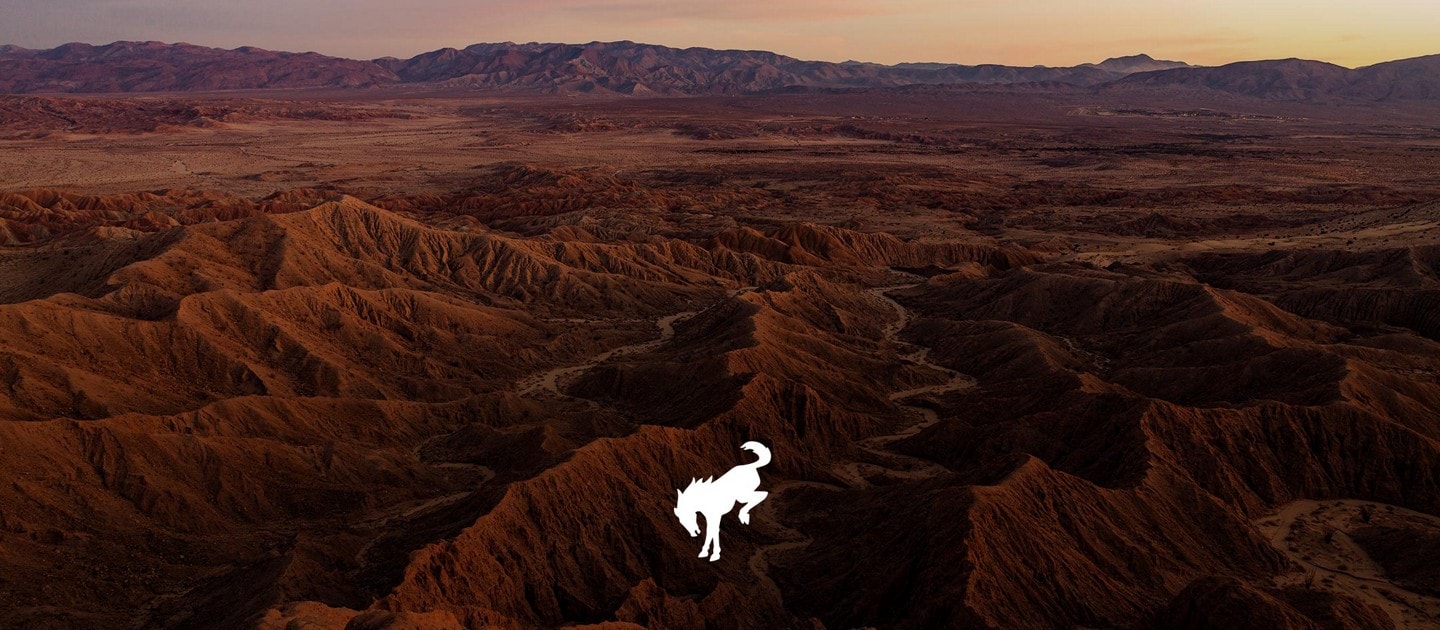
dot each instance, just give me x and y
(716, 497)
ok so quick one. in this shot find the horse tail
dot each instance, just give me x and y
(760, 451)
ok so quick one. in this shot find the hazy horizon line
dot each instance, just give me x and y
(642, 43)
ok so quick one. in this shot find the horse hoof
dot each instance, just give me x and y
(702, 555)
(715, 557)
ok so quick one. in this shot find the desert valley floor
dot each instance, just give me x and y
(410, 359)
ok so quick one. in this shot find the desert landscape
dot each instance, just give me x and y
(292, 341)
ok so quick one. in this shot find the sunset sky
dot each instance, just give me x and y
(1018, 32)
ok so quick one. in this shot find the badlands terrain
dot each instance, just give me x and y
(1026, 356)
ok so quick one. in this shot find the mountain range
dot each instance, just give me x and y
(639, 69)
(1299, 79)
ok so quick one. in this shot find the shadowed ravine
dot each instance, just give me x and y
(551, 381)
(850, 472)
(1025, 356)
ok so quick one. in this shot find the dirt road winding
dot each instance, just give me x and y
(852, 473)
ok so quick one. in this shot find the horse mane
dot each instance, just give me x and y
(697, 484)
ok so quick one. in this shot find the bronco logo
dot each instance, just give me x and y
(716, 497)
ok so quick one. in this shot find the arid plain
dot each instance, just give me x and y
(414, 358)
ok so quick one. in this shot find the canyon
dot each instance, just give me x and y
(1136, 356)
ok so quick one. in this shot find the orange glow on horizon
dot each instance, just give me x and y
(1032, 32)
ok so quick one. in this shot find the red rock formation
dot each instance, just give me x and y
(313, 410)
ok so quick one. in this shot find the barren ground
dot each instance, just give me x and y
(438, 359)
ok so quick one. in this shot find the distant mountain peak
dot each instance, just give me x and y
(1130, 64)
(631, 68)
